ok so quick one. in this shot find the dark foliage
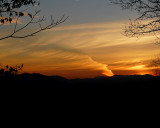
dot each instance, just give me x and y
(9, 71)
(9, 9)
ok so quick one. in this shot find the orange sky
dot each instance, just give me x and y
(89, 44)
(81, 51)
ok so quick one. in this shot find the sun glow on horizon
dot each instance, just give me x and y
(80, 50)
(138, 67)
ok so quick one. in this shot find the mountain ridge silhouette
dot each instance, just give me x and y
(36, 80)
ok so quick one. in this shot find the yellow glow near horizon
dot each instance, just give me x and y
(89, 49)
(138, 67)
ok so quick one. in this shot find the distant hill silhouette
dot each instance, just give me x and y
(112, 91)
(117, 82)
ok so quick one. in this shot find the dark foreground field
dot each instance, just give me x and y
(104, 91)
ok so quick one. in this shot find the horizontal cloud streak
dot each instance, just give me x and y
(85, 48)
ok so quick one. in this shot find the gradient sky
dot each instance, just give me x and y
(89, 44)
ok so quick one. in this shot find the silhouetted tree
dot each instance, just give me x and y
(8, 71)
(148, 20)
(12, 10)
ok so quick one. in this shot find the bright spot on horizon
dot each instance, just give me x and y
(138, 67)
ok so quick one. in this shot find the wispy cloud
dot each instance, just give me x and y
(85, 48)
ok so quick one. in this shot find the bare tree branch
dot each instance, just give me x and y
(9, 7)
(148, 21)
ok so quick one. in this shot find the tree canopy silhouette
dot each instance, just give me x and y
(149, 16)
(11, 11)
(9, 71)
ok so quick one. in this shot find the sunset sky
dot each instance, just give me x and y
(89, 44)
